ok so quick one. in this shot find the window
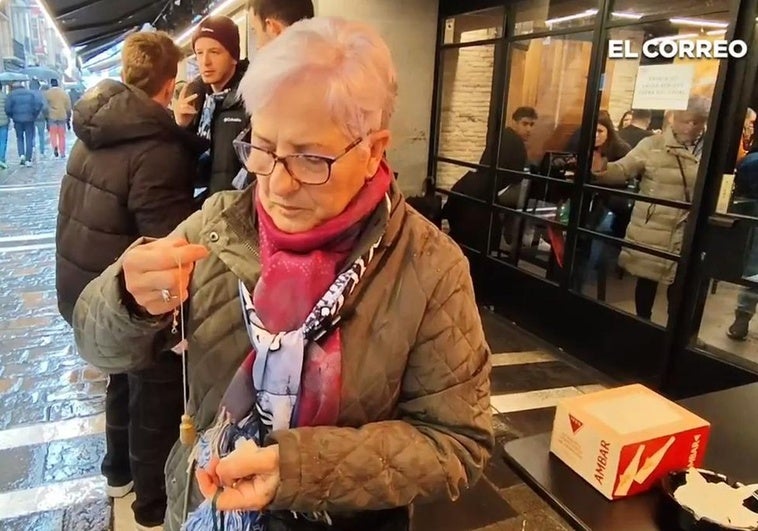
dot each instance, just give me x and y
(631, 154)
(543, 114)
(471, 27)
(465, 110)
(536, 16)
(636, 9)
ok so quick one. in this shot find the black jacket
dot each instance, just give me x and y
(632, 135)
(130, 174)
(229, 120)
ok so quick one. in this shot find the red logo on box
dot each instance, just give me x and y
(576, 424)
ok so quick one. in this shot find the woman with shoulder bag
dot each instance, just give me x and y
(667, 164)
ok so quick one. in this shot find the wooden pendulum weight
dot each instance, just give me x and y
(187, 431)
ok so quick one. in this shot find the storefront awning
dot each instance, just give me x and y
(94, 26)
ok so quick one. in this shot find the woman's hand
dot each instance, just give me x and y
(249, 478)
(157, 274)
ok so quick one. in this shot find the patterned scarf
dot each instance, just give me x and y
(292, 376)
(206, 114)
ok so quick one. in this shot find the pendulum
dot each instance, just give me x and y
(187, 430)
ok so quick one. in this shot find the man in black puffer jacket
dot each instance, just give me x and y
(209, 106)
(130, 174)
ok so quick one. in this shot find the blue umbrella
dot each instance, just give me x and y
(42, 73)
(10, 77)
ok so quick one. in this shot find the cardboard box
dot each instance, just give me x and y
(623, 440)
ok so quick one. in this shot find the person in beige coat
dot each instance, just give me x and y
(338, 370)
(667, 166)
(59, 113)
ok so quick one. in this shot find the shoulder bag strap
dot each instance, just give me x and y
(684, 180)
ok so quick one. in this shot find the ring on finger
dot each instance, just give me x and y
(166, 295)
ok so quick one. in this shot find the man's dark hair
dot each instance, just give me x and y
(524, 112)
(642, 114)
(286, 11)
(53, 82)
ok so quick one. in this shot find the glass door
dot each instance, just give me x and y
(715, 342)
(727, 327)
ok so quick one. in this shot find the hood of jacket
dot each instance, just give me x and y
(113, 113)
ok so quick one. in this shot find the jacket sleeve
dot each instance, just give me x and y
(160, 192)
(628, 167)
(107, 334)
(441, 440)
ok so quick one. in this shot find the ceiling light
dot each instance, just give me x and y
(583, 14)
(631, 16)
(698, 22)
(716, 32)
(185, 35)
(673, 37)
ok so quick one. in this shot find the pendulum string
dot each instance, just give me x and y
(187, 431)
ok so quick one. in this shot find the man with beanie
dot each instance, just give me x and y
(209, 105)
(222, 125)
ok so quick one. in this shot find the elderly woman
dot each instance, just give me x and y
(338, 371)
(667, 165)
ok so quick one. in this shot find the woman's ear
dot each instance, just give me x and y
(380, 143)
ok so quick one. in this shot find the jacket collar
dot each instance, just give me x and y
(232, 234)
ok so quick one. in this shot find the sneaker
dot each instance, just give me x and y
(739, 329)
(55, 153)
(28, 163)
(3, 165)
(119, 491)
(22, 161)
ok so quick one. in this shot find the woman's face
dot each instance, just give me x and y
(626, 120)
(294, 122)
(601, 135)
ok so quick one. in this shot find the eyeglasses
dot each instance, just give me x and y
(304, 168)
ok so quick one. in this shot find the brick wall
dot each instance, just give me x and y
(466, 93)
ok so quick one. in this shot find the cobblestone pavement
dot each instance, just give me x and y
(51, 403)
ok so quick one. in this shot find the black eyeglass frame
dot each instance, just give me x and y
(240, 145)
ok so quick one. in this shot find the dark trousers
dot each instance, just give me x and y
(25, 139)
(142, 415)
(644, 296)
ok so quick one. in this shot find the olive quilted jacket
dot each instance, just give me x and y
(414, 421)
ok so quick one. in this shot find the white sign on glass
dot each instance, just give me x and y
(663, 87)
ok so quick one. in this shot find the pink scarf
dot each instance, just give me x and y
(297, 269)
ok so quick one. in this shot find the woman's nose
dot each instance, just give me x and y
(281, 183)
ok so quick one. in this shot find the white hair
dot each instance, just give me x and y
(350, 60)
